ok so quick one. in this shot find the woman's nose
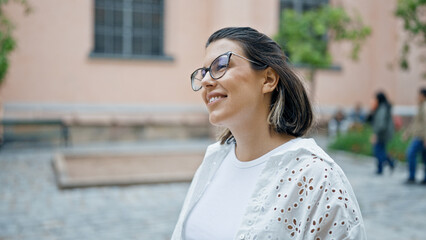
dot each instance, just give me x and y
(208, 81)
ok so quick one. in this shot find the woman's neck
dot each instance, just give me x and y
(255, 142)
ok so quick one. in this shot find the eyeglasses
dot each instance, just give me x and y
(217, 69)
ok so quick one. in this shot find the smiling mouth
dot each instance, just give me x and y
(214, 99)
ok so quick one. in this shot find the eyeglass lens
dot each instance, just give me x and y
(217, 70)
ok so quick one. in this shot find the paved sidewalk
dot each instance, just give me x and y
(391, 209)
(32, 207)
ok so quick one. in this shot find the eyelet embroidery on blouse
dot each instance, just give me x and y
(309, 186)
(294, 227)
(305, 185)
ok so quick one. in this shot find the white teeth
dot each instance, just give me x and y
(214, 99)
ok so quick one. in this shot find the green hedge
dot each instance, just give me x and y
(357, 140)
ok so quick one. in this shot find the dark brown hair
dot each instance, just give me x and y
(290, 111)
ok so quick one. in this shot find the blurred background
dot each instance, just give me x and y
(97, 112)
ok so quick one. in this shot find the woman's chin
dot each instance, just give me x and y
(216, 120)
(215, 123)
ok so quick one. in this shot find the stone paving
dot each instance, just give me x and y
(32, 207)
(391, 209)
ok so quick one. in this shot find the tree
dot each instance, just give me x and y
(413, 14)
(7, 42)
(305, 36)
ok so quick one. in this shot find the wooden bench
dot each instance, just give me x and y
(11, 135)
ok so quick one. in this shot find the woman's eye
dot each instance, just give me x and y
(221, 63)
(221, 66)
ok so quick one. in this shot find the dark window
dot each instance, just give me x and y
(129, 27)
(301, 5)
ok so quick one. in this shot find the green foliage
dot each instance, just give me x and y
(305, 36)
(355, 140)
(358, 141)
(7, 42)
(412, 13)
(397, 147)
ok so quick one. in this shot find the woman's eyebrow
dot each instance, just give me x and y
(214, 58)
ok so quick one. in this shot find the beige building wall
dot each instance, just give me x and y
(52, 62)
(51, 69)
(378, 64)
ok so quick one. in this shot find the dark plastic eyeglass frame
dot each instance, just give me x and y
(229, 54)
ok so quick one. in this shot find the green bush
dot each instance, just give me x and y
(357, 140)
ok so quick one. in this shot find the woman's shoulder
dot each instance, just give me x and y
(304, 148)
(307, 190)
(306, 159)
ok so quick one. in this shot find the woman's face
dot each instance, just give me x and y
(237, 96)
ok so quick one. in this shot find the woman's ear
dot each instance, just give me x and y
(271, 79)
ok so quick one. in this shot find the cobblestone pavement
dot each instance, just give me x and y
(391, 209)
(32, 207)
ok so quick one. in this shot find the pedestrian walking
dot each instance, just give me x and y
(383, 130)
(417, 130)
(262, 180)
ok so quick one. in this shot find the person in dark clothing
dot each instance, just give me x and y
(383, 129)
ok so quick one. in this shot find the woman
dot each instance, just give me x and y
(383, 129)
(261, 180)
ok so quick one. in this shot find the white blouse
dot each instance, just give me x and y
(301, 193)
(220, 210)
